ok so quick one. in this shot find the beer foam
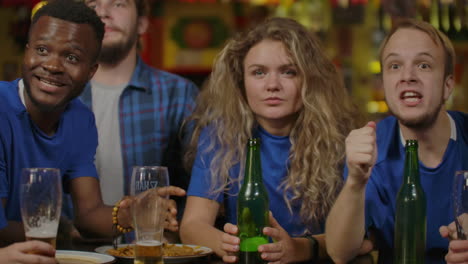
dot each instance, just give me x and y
(45, 230)
(149, 243)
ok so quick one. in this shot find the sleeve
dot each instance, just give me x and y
(3, 155)
(372, 201)
(4, 183)
(85, 141)
(189, 106)
(200, 182)
(182, 131)
(3, 220)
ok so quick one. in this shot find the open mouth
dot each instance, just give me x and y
(50, 82)
(411, 96)
(49, 85)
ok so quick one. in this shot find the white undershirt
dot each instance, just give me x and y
(21, 91)
(109, 153)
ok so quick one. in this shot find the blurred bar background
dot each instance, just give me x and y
(186, 35)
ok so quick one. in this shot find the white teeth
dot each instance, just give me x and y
(409, 94)
(411, 99)
(51, 83)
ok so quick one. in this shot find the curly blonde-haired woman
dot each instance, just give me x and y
(276, 83)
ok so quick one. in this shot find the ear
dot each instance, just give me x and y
(93, 71)
(143, 23)
(449, 84)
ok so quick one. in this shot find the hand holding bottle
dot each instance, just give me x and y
(284, 249)
(458, 252)
(281, 250)
(230, 243)
(361, 152)
(449, 232)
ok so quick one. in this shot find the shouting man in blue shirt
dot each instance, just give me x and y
(418, 77)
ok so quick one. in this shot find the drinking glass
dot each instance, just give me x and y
(460, 203)
(41, 203)
(149, 189)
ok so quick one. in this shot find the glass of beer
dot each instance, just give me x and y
(41, 203)
(149, 211)
(460, 203)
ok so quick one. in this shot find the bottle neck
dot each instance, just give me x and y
(253, 168)
(411, 165)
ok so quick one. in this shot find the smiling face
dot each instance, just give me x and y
(272, 86)
(123, 27)
(413, 77)
(59, 60)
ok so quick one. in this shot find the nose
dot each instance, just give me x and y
(408, 75)
(53, 64)
(273, 82)
(101, 10)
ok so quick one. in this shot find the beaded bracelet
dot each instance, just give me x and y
(115, 221)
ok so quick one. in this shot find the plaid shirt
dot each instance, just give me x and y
(151, 110)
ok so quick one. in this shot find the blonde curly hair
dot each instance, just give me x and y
(317, 137)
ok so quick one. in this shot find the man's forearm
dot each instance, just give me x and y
(95, 223)
(345, 226)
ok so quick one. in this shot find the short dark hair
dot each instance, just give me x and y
(72, 11)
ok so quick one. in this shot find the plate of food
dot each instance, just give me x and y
(82, 257)
(172, 253)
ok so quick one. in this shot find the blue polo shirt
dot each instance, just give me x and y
(22, 144)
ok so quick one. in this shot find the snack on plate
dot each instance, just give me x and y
(170, 250)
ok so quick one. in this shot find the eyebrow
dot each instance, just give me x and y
(281, 66)
(73, 45)
(427, 54)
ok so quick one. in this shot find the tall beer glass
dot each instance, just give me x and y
(148, 187)
(41, 203)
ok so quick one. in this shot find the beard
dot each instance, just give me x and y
(113, 53)
(422, 122)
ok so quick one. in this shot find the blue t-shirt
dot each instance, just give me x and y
(22, 144)
(386, 179)
(274, 153)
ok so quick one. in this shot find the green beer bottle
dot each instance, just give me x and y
(252, 207)
(410, 219)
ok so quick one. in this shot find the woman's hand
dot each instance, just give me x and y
(230, 243)
(19, 253)
(282, 250)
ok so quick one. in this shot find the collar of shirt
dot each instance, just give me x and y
(140, 80)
